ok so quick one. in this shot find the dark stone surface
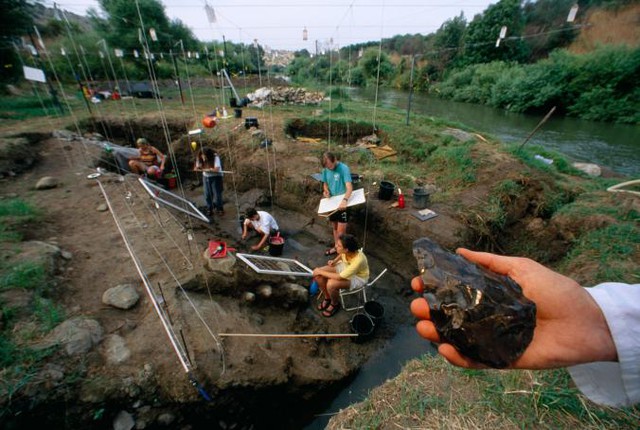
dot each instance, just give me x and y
(483, 314)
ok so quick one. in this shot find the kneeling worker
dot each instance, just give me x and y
(263, 223)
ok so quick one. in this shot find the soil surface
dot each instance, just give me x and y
(134, 238)
(169, 248)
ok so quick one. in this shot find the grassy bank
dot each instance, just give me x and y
(430, 393)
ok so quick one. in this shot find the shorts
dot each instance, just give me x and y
(356, 281)
(340, 216)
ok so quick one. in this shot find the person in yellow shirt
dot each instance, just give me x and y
(349, 269)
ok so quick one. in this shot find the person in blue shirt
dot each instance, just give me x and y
(336, 180)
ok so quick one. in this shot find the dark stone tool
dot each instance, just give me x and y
(483, 314)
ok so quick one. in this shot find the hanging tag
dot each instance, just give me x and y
(572, 13)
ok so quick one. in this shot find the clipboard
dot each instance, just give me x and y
(329, 205)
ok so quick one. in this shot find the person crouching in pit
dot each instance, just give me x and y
(263, 223)
(349, 269)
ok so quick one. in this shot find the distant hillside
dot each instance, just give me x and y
(44, 16)
(608, 27)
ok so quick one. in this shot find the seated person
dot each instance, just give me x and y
(147, 160)
(349, 269)
(263, 223)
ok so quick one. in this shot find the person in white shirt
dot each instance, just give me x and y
(594, 332)
(263, 223)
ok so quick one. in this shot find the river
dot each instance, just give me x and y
(615, 146)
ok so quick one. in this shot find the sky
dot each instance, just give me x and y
(279, 24)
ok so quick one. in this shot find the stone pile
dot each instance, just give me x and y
(284, 95)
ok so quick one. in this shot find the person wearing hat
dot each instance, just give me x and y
(147, 160)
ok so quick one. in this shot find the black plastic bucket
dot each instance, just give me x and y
(375, 311)
(237, 113)
(386, 190)
(420, 198)
(251, 121)
(362, 325)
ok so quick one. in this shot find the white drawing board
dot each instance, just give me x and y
(330, 204)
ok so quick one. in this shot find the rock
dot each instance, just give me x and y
(41, 253)
(588, 168)
(13, 90)
(115, 349)
(166, 419)
(249, 297)
(264, 291)
(461, 135)
(46, 183)
(102, 207)
(66, 255)
(371, 139)
(295, 292)
(123, 421)
(64, 134)
(483, 314)
(122, 296)
(76, 335)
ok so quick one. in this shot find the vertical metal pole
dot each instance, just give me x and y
(413, 62)
(175, 68)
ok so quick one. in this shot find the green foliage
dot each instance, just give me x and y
(27, 107)
(528, 155)
(120, 27)
(16, 20)
(48, 314)
(455, 164)
(612, 244)
(12, 213)
(375, 67)
(28, 275)
(484, 30)
(474, 84)
(599, 86)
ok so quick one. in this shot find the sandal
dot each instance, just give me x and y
(324, 304)
(331, 310)
(330, 251)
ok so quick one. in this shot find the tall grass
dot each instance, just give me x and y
(12, 213)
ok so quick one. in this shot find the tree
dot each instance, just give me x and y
(16, 20)
(370, 62)
(447, 45)
(484, 30)
(121, 25)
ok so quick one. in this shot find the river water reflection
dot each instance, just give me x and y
(615, 146)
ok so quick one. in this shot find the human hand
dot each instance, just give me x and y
(570, 327)
(255, 247)
(343, 205)
(330, 262)
(326, 194)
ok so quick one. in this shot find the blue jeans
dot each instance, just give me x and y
(213, 192)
